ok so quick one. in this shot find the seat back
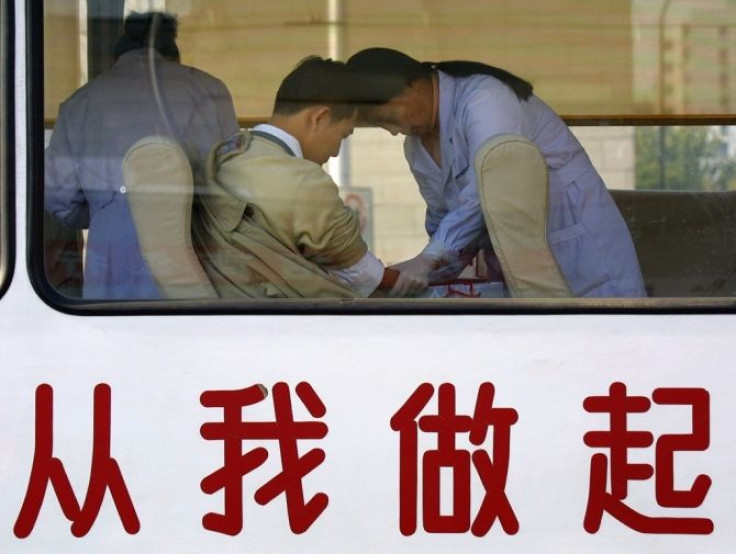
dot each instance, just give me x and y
(159, 186)
(685, 241)
(513, 190)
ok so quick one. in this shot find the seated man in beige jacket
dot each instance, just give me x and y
(271, 222)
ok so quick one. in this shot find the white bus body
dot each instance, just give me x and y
(363, 368)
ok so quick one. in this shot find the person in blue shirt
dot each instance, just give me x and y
(447, 111)
(147, 92)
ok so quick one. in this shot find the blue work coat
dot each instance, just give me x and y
(143, 94)
(586, 232)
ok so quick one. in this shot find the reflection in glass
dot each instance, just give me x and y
(616, 59)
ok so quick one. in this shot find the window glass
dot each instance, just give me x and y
(623, 57)
(648, 90)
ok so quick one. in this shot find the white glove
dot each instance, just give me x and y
(413, 277)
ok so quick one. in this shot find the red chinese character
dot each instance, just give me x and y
(447, 424)
(232, 431)
(619, 439)
(104, 474)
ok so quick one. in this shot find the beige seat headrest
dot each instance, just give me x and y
(513, 190)
(159, 187)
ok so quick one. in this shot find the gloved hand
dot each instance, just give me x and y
(413, 277)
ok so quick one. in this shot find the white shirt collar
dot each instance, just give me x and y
(277, 132)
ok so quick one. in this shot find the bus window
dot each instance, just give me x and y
(648, 91)
(6, 148)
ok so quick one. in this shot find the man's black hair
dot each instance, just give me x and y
(317, 81)
(149, 30)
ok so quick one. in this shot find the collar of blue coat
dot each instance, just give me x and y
(138, 53)
(415, 152)
(447, 87)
